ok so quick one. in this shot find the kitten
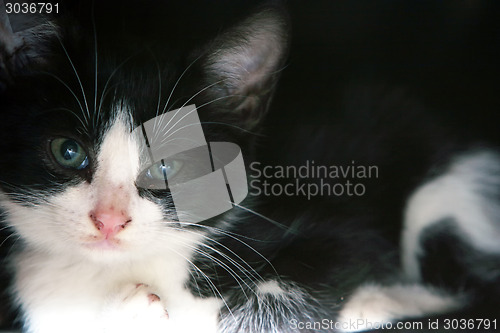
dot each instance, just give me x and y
(95, 250)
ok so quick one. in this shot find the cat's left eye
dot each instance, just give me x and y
(69, 153)
(163, 170)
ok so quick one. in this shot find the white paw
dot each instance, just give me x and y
(373, 307)
(367, 309)
(135, 308)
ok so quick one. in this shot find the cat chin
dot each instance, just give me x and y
(100, 256)
(103, 252)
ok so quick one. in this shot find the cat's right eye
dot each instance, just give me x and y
(69, 153)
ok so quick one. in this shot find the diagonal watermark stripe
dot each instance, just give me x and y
(212, 176)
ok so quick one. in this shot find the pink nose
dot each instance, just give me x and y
(109, 222)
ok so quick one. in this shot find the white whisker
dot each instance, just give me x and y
(95, 56)
(73, 94)
(76, 74)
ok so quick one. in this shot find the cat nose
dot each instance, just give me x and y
(109, 222)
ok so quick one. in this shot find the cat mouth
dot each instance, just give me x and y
(103, 244)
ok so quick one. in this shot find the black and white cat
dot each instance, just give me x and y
(91, 251)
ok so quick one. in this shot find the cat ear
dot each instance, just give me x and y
(246, 64)
(25, 42)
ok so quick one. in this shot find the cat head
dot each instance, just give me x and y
(76, 87)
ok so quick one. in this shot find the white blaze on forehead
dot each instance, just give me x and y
(118, 159)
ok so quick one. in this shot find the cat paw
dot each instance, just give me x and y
(374, 307)
(136, 308)
(139, 300)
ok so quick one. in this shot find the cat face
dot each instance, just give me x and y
(72, 160)
(104, 216)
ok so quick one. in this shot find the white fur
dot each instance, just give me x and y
(270, 288)
(64, 284)
(372, 305)
(461, 193)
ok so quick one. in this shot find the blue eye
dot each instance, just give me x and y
(163, 170)
(69, 153)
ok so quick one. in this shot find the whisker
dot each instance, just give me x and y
(164, 127)
(95, 55)
(76, 74)
(7, 238)
(198, 108)
(232, 261)
(72, 93)
(228, 269)
(234, 126)
(232, 236)
(178, 80)
(109, 80)
(70, 111)
(163, 142)
(210, 282)
(218, 99)
(274, 222)
(202, 90)
(231, 272)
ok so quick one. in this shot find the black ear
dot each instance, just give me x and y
(244, 65)
(25, 42)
